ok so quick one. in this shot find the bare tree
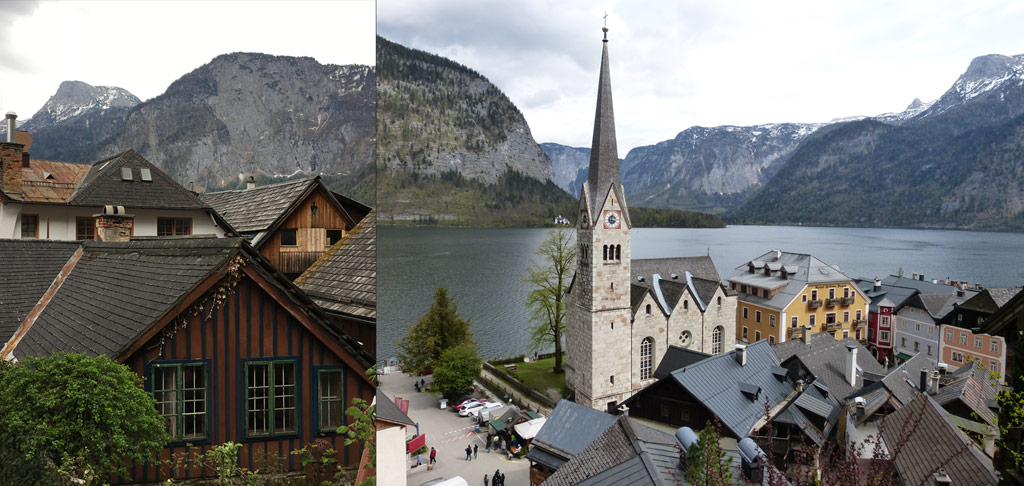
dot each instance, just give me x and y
(549, 278)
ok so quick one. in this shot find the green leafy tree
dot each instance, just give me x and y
(456, 370)
(549, 278)
(438, 330)
(88, 417)
(706, 463)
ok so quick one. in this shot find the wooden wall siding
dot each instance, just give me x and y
(360, 331)
(250, 324)
(311, 230)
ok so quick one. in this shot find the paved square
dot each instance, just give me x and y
(450, 434)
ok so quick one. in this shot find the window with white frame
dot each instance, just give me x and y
(958, 357)
(963, 338)
(771, 321)
(716, 340)
(995, 346)
(646, 357)
(993, 366)
(977, 342)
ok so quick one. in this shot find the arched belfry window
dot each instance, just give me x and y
(686, 304)
(646, 358)
(716, 340)
(719, 301)
(648, 309)
(618, 252)
(604, 255)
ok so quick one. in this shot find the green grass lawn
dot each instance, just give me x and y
(538, 375)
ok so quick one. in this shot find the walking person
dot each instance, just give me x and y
(502, 479)
(496, 478)
(433, 455)
(485, 480)
(474, 451)
(469, 453)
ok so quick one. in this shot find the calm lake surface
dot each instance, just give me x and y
(484, 269)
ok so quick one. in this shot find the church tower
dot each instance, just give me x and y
(598, 348)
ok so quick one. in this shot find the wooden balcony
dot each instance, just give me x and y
(848, 300)
(833, 326)
(831, 302)
(859, 322)
(814, 304)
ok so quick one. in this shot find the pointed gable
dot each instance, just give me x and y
(120, 181)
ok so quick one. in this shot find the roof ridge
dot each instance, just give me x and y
(267, 186)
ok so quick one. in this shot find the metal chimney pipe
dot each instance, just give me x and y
(11, 116)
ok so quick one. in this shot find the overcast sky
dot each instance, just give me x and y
(679, 64)
(144, 46)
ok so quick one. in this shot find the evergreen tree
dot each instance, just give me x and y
(706, 464)
(440, 329)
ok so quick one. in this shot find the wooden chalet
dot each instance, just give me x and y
(230, 349)
(343, 282)
(291, 223)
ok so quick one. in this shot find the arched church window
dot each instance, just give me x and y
(719, 301)
(648, 309)
(618, 252)
(716, 340)
(686, 305)
(646, 358)
(604, 254)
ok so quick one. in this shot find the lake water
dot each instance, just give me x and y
(484, 269)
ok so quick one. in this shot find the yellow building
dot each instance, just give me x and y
(781, 293)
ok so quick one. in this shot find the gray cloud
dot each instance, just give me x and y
(12, 10)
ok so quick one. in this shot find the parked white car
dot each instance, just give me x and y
(475, 412)
(464, 411)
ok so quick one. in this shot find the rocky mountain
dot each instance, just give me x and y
(709, 168)
(76, 117)
(245, 112)
(241, 112)
(954, 163)
(569, 166)
(439, 121)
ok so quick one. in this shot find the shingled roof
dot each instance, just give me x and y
(258, 211)
(971, 386)
(801, 270)
(104, 185)
(627, 452)
(344, 279)
(114, 292)
(933, 441)
(117, 290)
(28, 269)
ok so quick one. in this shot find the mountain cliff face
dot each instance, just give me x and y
(569, 166)
(438, 121)
(247, 112)
(954, 163)
(75, 118)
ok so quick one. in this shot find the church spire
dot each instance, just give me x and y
(604, 156)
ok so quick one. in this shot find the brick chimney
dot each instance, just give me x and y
(113, 224)
(11, 160)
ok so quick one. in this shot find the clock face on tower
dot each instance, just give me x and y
(611, 219)
(584, 220)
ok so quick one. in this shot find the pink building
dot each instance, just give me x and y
(958, 345)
